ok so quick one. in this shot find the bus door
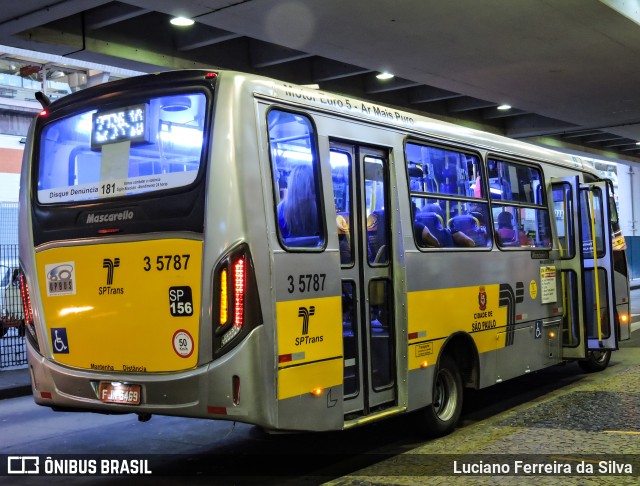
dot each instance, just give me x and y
(361, 193)
(582, 216)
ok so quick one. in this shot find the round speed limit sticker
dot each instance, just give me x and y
(182, 343)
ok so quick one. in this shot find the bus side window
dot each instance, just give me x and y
(520, 214)
(448, 197)
(296, 180)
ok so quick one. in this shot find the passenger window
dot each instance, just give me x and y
(514, 182)
(562, 208)
(341, 177)
(296, 180)
(592, 200)
(377, 245)
(520, 214)
(448, 199)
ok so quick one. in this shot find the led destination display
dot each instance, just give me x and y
(126, 123)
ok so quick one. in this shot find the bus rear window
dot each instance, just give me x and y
(134, 149)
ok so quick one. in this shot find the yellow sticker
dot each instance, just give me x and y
(533, 289)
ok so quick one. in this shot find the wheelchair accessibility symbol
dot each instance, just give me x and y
(538, 331)
(59, 340)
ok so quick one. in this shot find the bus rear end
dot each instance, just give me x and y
(116, 291)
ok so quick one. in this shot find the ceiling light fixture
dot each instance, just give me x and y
(504, 107)
(181, 21)
(385, 75)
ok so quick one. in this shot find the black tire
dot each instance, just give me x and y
(441, 416)
(595, 361)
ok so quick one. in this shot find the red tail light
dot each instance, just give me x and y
(26, 300)
(232, 281)
(239, 287)
(27, 307)
(236, 308)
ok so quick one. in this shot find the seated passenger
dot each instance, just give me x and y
(507, 233)
(450, 237)
(424, 237)
(297, 212)
(460, 239)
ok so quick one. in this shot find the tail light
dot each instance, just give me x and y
(27, 309)
(236, 307)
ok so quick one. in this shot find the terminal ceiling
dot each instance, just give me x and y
(569, 68)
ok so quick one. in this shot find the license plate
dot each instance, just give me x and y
(126, 393)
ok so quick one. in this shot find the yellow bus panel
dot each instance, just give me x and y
(304, 379)
(436, 314)
(132, 307)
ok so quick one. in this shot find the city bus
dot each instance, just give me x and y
(221, 245)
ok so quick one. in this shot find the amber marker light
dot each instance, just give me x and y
(224, 310)
(317, 391)
(624, 318)
(424, 364)
(552, 334)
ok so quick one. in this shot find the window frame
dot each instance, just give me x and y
(459, 148)
(317, 172)
(497, 157)
(132, 97)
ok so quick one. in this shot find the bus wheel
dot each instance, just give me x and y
(443, 413)
(595, 361)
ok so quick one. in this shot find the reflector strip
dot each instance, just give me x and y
(285, 358)
(217, 410)
(416, 335)
(46, 395)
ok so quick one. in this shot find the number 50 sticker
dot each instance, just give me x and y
(182, 343)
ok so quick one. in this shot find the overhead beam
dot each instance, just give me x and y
(110, 14)
(430, 94)
(106, 52)
(47, 14)
(323, 69)
(494, 113)
(533, 125)
(200, 35)
(580, 133)
(373, 85)
(622, 142)
(604, 137)
(468, 104)
(264, 54)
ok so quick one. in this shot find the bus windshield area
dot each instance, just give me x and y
(147, 146)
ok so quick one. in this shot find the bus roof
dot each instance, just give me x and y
(412, 122)
(409, 122)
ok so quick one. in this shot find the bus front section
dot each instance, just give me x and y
(114, 280)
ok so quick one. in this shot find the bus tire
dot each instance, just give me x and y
(595, 361)
(442, 415)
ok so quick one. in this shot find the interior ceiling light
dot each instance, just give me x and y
(385, 75)
(181, 21)
(504, 107)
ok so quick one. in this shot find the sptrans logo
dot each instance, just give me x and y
(306, 314)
